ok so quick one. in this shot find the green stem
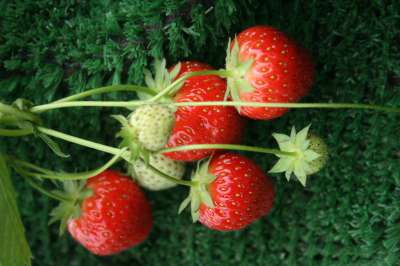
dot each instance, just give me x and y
(222, 73)
(28, 177)
(14, 132)
(170, 178)
(23, 164)
(130, 104)
(51, 106)
(43, 173)
(85, 94)
(294, 105)
(79, 141)
(103, 148)
(227, 147)
(107, 89)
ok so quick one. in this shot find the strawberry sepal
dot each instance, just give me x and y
(238, 69)
(76, 193)
(161, 79)
(310, 154)
(199, 193)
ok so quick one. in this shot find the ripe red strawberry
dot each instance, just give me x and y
(268, 67)
(116, 216)
(202, 124)
(231, 192)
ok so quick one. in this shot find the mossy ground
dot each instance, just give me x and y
(349, 214)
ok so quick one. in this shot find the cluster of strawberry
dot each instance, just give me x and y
(227, 191)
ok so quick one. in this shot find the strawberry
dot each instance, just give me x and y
(266, 66)
(230, 193)
(202, 124)
(107, 215)
(153, 124)
(317, 145)
(153, 181)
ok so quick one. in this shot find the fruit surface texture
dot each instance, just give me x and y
(281, 71)
(241, 193)
(117, 216)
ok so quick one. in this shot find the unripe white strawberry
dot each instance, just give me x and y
(153, 124)
(151, 180)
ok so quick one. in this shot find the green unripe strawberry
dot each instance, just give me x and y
(317, 145)
(153, 124)
(151, 180)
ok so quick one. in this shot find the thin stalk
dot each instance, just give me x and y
(28, 177)
(170, 178)
(227, 147)
(294, 105)
(79, 141)
(51, 106)
(130, 104)
(25, 164)
(107, 89)
(103, 148)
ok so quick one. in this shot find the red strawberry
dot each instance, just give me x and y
(268, 67)
(231, 192)
(202, 124)
(117, 216)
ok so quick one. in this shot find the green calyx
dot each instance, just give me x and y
(74, 194)
(129, 136)
(161, 80)
(199, 191)
(237, 70)
(310, 154)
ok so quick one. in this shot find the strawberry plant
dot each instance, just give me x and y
(187, 113)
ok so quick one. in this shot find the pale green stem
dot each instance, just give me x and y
(294, 105)
(170, 178)
(103, 148)
(28, 176)
(51, 106)
(227, 147)
(79, 141)
(131, 104)
(107, 89)
(62, 103)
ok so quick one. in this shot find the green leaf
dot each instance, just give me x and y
(175, 71)
(52, 145)
(184, 204)
(14, 248)
(148, 77)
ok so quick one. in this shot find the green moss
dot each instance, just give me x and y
(347, 215)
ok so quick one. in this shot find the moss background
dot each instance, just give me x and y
(349, 214)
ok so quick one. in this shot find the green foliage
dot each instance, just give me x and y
(14, 249)
(348, 214)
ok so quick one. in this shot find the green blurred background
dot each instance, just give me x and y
(349, 214)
